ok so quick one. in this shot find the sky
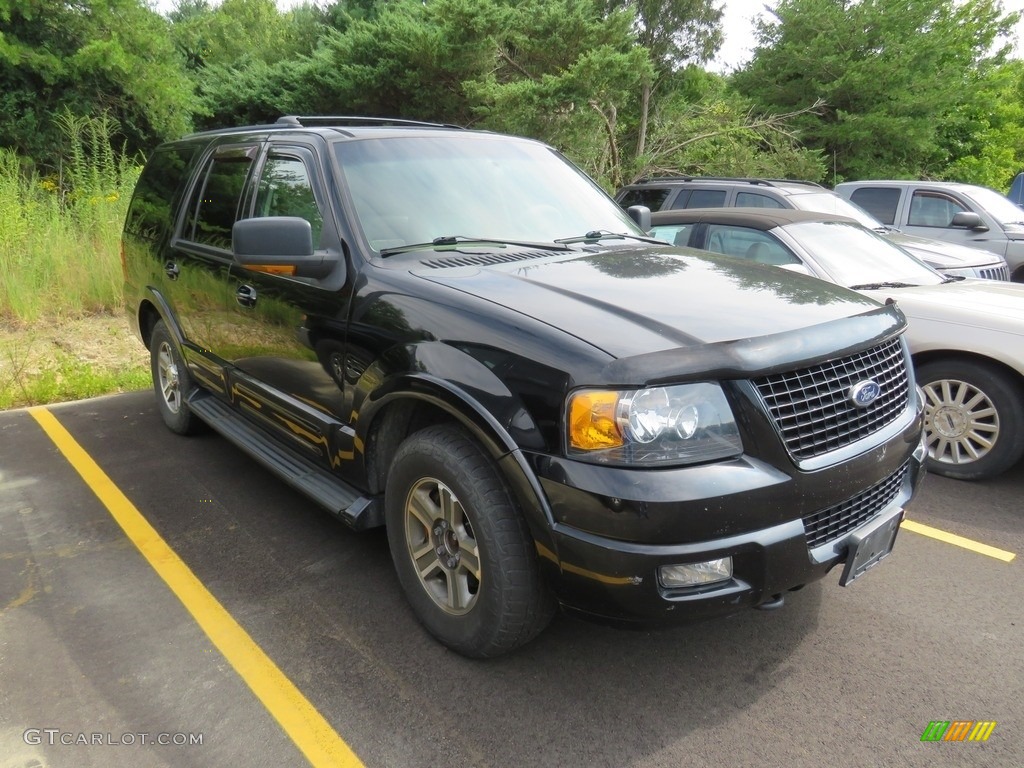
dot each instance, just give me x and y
(738, 31)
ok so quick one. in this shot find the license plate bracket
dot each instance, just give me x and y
(870, 544)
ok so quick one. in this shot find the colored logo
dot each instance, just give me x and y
(958, 730)
(864, 393)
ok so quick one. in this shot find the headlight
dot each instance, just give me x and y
(683, 424)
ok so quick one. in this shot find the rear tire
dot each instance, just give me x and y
(171, 382)
(461, 547)
(974, 419)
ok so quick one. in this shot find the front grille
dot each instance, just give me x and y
(812, 408)
(994, 273)
(838, 520)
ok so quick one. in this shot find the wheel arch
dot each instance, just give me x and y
(417, 401)
(153, 308)
(962, 356)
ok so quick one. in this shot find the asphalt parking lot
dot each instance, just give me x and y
(248, 628)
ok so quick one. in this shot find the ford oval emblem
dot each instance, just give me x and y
(864, 393)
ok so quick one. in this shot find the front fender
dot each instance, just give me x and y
(448, 379)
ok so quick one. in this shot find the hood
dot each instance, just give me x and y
(982, 304)
(640, 300)
(944, 255)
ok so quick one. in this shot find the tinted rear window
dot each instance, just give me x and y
(158, 190)
(700, 198)
(880, 202)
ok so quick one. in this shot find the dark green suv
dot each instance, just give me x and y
(458, 335)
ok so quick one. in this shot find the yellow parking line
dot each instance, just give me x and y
(960, 541)
(312, 734)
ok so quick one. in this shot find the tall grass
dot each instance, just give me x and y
(60, 235)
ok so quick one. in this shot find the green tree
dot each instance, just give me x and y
(891, 77)
(572, 94)
(718, 135)
(673, 33)
(984, 138)
(108, 56)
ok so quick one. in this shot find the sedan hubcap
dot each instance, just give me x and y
(960, 420)
(167, 378)
(442, 546)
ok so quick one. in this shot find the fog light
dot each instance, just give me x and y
(694, 574)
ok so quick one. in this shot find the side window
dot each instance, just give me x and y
(880, 202)
(151, 213)
(932, 209)
(653, 198)
(285, 190)
(754, 200)
(748, 244)
(701, 198)
(217, 201)
(674, 234)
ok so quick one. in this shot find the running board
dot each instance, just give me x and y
(340, 499)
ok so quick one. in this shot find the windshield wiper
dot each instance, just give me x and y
(449, 240)
(876, 286)
(596, 235)
(952, 279)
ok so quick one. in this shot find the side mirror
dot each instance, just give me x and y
(641, 215)
(968, 220)
(278, 245)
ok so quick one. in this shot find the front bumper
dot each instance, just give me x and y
(814, 516)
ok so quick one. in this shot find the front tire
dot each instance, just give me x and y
(171, 382)
(974, 419)
(460, 545)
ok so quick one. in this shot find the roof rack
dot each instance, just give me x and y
(300, 121)
(755, 181)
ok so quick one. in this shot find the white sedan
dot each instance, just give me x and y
(966, 336)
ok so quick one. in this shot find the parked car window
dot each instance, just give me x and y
(158, 192)
(701, 198)
(217, 199)
(853, 255)
(929, 209)
(748, 244)
(285, 190)
(653, 198)
(996, 205)
(754, 200)
(880, 202)
(676, 234)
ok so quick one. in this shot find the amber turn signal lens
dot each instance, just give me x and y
(592, 421)
(271, 269)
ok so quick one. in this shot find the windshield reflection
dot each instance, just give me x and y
(413, 189)
(1000, 206)
(853, 255)
(832, 203)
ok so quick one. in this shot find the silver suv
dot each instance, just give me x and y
(964, 214)
(669, 193)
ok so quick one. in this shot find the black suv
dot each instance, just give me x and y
(458, 335)
(667, 193)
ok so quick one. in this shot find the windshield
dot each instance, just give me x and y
(830, 202)
(853, 255)
(999, 206)
(414, 189)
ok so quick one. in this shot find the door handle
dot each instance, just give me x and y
(246, 296)
(172, 270)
